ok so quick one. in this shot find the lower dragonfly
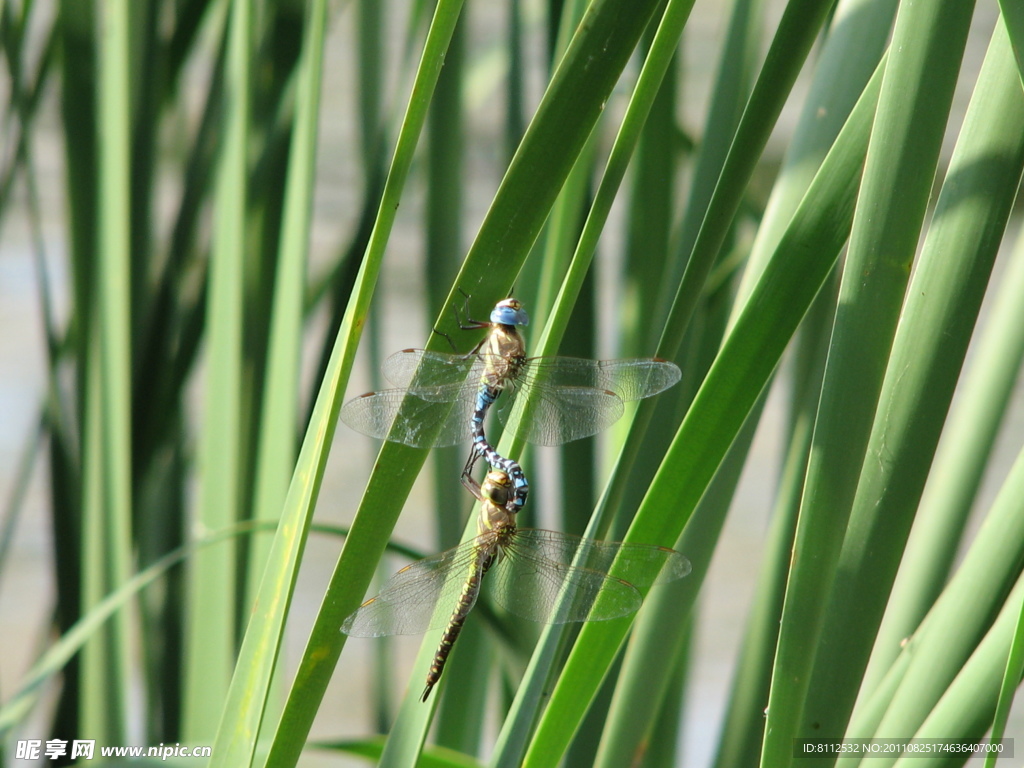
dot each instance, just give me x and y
(441, 399)
(544, 576)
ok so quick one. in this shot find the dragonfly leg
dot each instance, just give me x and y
(467, 324)
(464, 321)
(467, 473)
(446, 338)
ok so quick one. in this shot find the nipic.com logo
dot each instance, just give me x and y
(86, 749)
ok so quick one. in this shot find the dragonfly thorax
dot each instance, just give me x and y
(495, 520)
(504, 354)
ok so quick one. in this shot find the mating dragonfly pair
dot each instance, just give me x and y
(546, 576)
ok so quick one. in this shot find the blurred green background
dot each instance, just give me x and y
(218, 217)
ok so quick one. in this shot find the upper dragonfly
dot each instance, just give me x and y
(544, 576)
(442, 398)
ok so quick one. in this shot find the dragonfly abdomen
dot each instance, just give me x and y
(484, 400)
(470, 592)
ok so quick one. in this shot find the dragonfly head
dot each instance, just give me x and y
(497, 488)
(509, 312)
(497, 513)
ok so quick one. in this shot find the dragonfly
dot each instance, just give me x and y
(441, 399)
(543, 576)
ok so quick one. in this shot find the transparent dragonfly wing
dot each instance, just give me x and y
(400, 417)
(632, 379)
(419, 597)
(435, 375)
(642, 565)
(554, 399)
(549, 415)
(542, 578)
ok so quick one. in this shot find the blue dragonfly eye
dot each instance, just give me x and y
(509, 312)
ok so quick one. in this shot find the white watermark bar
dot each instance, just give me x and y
(901, 747)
